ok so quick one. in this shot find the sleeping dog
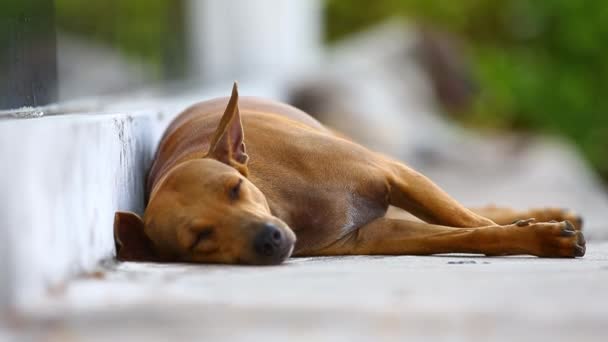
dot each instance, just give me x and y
(254, 181)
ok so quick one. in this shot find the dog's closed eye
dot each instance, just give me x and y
(235, 190)
(202, 236)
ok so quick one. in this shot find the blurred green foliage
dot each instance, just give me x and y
(149, 30)
(542, 65)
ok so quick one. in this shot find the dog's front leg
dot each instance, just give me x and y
(398, 237)
(413, 192)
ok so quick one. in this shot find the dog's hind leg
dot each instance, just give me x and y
(386, 236)
(502, 215)
(413, 192)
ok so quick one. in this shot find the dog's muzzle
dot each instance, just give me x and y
(271, 245)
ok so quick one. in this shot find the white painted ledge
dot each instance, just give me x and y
(63, 177)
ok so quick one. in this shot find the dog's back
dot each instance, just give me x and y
(190, 133)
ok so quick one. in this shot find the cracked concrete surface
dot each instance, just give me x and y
(448, 297)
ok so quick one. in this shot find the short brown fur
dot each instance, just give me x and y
(220, 180)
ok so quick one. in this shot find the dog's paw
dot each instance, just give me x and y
(557, 214)
(553, 239)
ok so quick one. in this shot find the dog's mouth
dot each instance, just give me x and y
(285, 255)
(276, 258)
(272, 252)
(291, 242)
(290, 251)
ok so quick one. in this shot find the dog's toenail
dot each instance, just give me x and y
(568, 226)
(566, 232)
(579, 251)
(523, 223)
(581, 239)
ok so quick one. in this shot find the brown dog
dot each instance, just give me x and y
(239, 188)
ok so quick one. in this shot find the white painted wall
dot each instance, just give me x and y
(62, 179)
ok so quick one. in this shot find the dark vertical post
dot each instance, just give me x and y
(28, 53)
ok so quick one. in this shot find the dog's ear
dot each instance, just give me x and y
(228, 145)
(130, 239)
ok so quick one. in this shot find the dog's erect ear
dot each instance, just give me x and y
(130, 239)
(227, 145)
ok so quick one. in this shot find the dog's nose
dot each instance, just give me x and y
(270, 244)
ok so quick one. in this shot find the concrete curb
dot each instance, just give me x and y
(63, 177)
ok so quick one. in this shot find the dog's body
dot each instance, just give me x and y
(213, 200)
(301, 159)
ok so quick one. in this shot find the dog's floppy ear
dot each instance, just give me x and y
(227, 145)
(132, 243)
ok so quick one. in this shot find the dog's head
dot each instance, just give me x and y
(206, 210)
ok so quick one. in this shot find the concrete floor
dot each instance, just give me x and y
(451, 298)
